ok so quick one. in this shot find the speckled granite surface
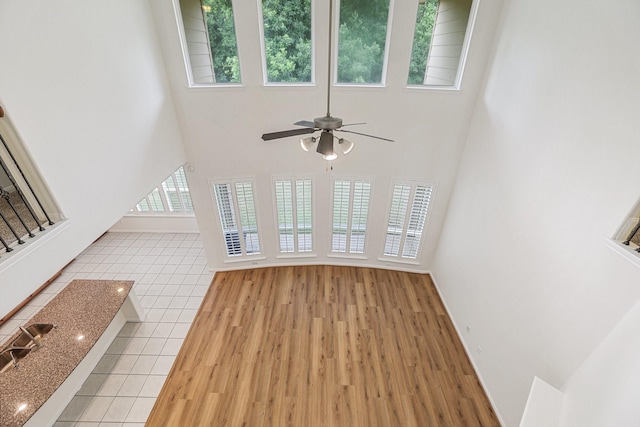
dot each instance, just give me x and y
(84, 308)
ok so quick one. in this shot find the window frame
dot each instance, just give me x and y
(296, 253)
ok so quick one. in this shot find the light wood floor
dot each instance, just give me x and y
(322, 346)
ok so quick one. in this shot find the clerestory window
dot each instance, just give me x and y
(362, 41)
(210, 37)
(439, 42)
(286, 30)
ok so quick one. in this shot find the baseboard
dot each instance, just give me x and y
(467, 350)
(156, 224)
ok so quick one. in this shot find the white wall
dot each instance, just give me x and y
(604, 391)
(549, 170)
(84, 85)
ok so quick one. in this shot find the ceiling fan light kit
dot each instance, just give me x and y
(307, 143)
(327, 124)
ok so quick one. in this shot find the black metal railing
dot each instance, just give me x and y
(631, 235)
(18, 216)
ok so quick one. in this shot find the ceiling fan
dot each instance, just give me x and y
(326, 125)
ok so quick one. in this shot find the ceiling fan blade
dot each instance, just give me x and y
(286, 133)
(305, 123)
(364, 134)
(354, 124)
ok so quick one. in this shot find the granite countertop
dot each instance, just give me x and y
(81, 312)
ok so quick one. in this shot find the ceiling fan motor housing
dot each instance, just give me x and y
(327, 122)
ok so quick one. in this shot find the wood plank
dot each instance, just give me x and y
(322, 346)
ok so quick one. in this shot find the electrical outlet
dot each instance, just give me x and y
(468, 328)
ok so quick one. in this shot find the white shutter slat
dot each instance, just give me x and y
(395, 226)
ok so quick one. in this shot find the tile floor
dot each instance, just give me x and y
(171, 278)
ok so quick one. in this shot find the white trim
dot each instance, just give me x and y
(466, 43)
(467, 350)
(346, 256)
(156, 224)
(627, 252)
(252, 263)
(244, 258)
(399, 260)
(296, 256)
(8, 259)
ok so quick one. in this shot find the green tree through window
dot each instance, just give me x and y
(422, 41)
(222, 39)
(287, 38)
(363, 35)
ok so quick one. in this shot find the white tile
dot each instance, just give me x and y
(135, 345)
(162, 279)
(148, 301)
(132, 385)
(163, 330)
(152, 385)
(185, 290)
(170, 290)
(145, 329)
(119, 409)
(171, 315)
(200, 291)
(75, 408)
(124, 364)
(187, 315)
(169, 269)
(178, 302)
(191, 279)
(163, 365)
(111, 385)
(129, 329)
(106, 363)
(154, 314)
(182, 269)
(196, 269)
(205, 279)
(162, 302)
(194, 302)
(180, 330)
(155, 290)
(96, 409)
(91, 385)
(154, 346)
(141, 409)
(171, 347)
(118, 345)
(144, 364)
(155, 269)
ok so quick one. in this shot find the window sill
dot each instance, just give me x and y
(246, 258)
(627, 252)
(346, 256)
(294, 255)
(399, 261)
